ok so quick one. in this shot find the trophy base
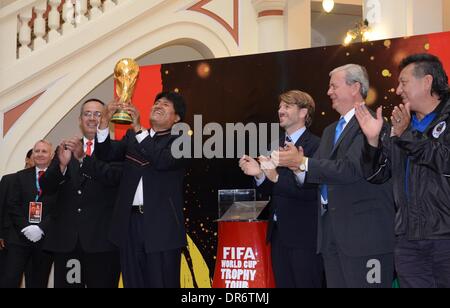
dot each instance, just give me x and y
(122, 117)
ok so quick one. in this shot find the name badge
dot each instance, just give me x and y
(35, 213)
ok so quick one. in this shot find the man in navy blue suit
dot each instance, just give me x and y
(293, 210)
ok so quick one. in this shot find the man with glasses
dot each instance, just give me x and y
(84, 257)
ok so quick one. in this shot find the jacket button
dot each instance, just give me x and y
(79, 211)
(79, 192)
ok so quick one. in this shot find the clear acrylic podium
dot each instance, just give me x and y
(243, 256)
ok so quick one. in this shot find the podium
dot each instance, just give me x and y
(243, 256)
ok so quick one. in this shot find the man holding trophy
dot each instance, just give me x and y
(148, 221)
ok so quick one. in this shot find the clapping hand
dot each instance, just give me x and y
(401, 118)
(370, 126)
(250, 167)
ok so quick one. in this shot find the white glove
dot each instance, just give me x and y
(33, 233)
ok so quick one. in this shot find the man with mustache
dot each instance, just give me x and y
(416, 155)
(148, 222)
(87, 190)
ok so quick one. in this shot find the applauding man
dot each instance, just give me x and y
(293, 209)
(416, 155)
(87, 191)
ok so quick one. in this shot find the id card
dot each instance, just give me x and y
(35, 213)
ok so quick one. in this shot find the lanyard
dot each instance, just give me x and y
(38, 187)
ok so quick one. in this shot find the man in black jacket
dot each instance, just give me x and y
(148, 221)
(87, 189)
(293, 210)
(356, 225)
(6, 184)
(30, 211)
(416, 155)
(5, 190)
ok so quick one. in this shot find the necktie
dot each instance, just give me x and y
(288, 139)
(337, 134)
(339, 129)
(89, 148)
(40, 174)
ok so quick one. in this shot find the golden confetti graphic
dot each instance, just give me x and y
(386, 73)
(203, 70)
(371, 97)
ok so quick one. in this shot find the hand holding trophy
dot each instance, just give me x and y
(126, 74)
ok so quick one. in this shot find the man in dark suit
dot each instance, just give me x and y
(148, 222)
(6, 184)
(30, 211)
(87, 189)
(5, 189)
(356, 228)
(293, 210)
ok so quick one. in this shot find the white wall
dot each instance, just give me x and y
(426, 17)
(446, 14)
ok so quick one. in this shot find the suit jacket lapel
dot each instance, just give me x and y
(328, 140)
(303, 140)
(349, 129)
(31, 178)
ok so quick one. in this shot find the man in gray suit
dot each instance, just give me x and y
(356, 221)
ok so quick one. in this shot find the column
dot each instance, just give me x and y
(298, 24)
(39, 25)
(271, 24)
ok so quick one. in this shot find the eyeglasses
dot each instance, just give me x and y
(90, 114)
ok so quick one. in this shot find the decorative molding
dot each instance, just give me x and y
(271, 13)
(272, 6)
(233, 30)
(11, 116)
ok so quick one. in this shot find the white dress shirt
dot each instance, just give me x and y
(102, 134)
(85, 141)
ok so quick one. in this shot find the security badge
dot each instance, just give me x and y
(439, 129)
(35, 213)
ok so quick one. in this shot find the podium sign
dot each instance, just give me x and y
(243, 256)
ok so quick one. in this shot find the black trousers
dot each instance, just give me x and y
(30, 259)
(147, 270)
(293, 267)
(80, 269)
(2, 266)
(344, 271)
(423, 264)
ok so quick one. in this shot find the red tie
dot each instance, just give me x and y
(89, 148)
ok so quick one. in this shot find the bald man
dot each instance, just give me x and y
(30, 210)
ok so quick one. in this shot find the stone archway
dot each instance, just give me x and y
(68, 90)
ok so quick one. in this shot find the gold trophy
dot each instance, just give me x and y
(125, 73)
